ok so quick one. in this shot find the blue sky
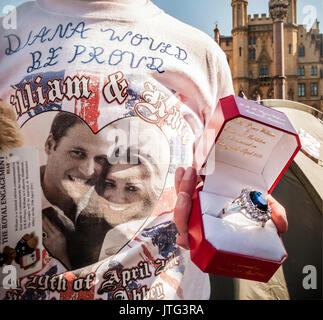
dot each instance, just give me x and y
(204, 14)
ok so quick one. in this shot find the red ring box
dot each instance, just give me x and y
(245, 144)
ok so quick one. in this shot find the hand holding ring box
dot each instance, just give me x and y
(248, 147)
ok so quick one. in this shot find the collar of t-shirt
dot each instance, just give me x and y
(124, 10)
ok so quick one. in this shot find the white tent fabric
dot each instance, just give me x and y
(302, 117)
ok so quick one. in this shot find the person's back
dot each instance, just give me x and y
(106, 61)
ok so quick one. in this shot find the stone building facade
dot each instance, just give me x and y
(250, 53)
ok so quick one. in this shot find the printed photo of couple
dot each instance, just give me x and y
(93, 183)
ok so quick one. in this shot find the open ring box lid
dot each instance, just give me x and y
(245, 145)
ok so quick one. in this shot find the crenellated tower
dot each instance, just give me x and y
(273, 56)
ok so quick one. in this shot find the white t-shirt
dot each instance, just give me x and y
(146, 85)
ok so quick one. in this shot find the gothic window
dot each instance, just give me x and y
(263, 71)
(290, 49)
(314, 71)
(252, 53)
(301, 89)
(314, 87)
(252, 40)
(240, 50)
(250, 75)
(301, 71)
(301, 51)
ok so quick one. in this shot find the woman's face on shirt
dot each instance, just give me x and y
(126, 189)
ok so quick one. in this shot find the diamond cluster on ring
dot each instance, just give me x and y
(252, 204)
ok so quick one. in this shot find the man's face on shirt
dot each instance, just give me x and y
(75, 160)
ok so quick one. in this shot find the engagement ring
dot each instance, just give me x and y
(252, 204)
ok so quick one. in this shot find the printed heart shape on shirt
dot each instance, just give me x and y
(116, 198)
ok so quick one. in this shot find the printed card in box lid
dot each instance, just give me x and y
(252, 146)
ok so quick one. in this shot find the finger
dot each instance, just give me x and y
(279, 216)
(182, 240)
(179, 173)
(183, 206)
(189, 180)
(181, 217)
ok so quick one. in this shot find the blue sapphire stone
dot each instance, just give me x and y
(259, 200)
